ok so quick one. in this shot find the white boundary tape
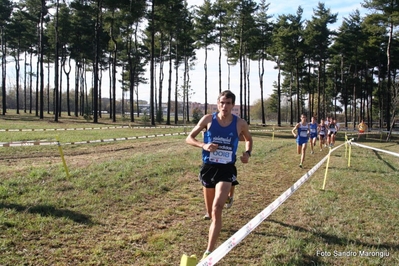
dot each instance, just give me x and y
(125, 138)
(373, 131)
(233, 241)
(371, 148)
(269, 130)
(81, 128)
(43, 143)
(28, 143)
(114, 127)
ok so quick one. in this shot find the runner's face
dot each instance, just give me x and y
(225, 105)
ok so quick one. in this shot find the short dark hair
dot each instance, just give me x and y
(228, 94)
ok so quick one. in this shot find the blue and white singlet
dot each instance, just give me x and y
(303, 136)
(313, 130)
(227, 139)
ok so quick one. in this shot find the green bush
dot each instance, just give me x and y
(197, 114)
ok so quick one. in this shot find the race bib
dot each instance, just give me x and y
(303, 134)
(221, 156)
(313, 130)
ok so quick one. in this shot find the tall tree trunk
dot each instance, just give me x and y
(17, 70)
(137, 101)
(67, 72)
(131, 78)
(83, 108)
(244, 79)
(41, 59)
(261, 71)
(335, 91)
(228, 73)
(123, 95)
(187, 86)
(31, 82)
(114, 55)
(311, 91)
(325, 110)
(3, 70)
(206, 80)
(111, 109)
(249, 91)
(354, 98)
(152, 63)
(97, 33)
(56, 70)
(77, 69)
(278, 93)
(60, 92)
(291, 103)
(48, 88)
(343, 87)
(176, 86)
(319, 113)
(161, 77)
(298, 91)
(37, 80)
(169, 82)
(100, 79)
(370, 97)
(220, 61)
(389, 83)
(242, 114)
(25, 60)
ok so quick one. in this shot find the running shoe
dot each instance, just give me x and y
(229, 202)
(206, 217)
(312, 152)
(300, 165)
(206, 254)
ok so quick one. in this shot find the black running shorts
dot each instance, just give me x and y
(211, 174)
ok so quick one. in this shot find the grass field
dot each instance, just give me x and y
(138, 202)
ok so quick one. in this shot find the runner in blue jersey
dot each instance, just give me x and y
(218, 171)
(301, 133)
(313, 133)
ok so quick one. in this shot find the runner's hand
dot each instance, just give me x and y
(210, 147)
(245, 157)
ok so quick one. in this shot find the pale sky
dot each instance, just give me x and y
(343, 8)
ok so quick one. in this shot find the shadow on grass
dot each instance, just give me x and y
(332, 239)
(306, 259)
(46, 210)
(388, 164)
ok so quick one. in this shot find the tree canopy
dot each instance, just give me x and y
(322, 71)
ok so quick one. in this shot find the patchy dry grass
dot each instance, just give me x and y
(138, 202)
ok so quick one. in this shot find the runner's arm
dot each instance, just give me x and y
(202, 124)
(293, 130)
(246, 135)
